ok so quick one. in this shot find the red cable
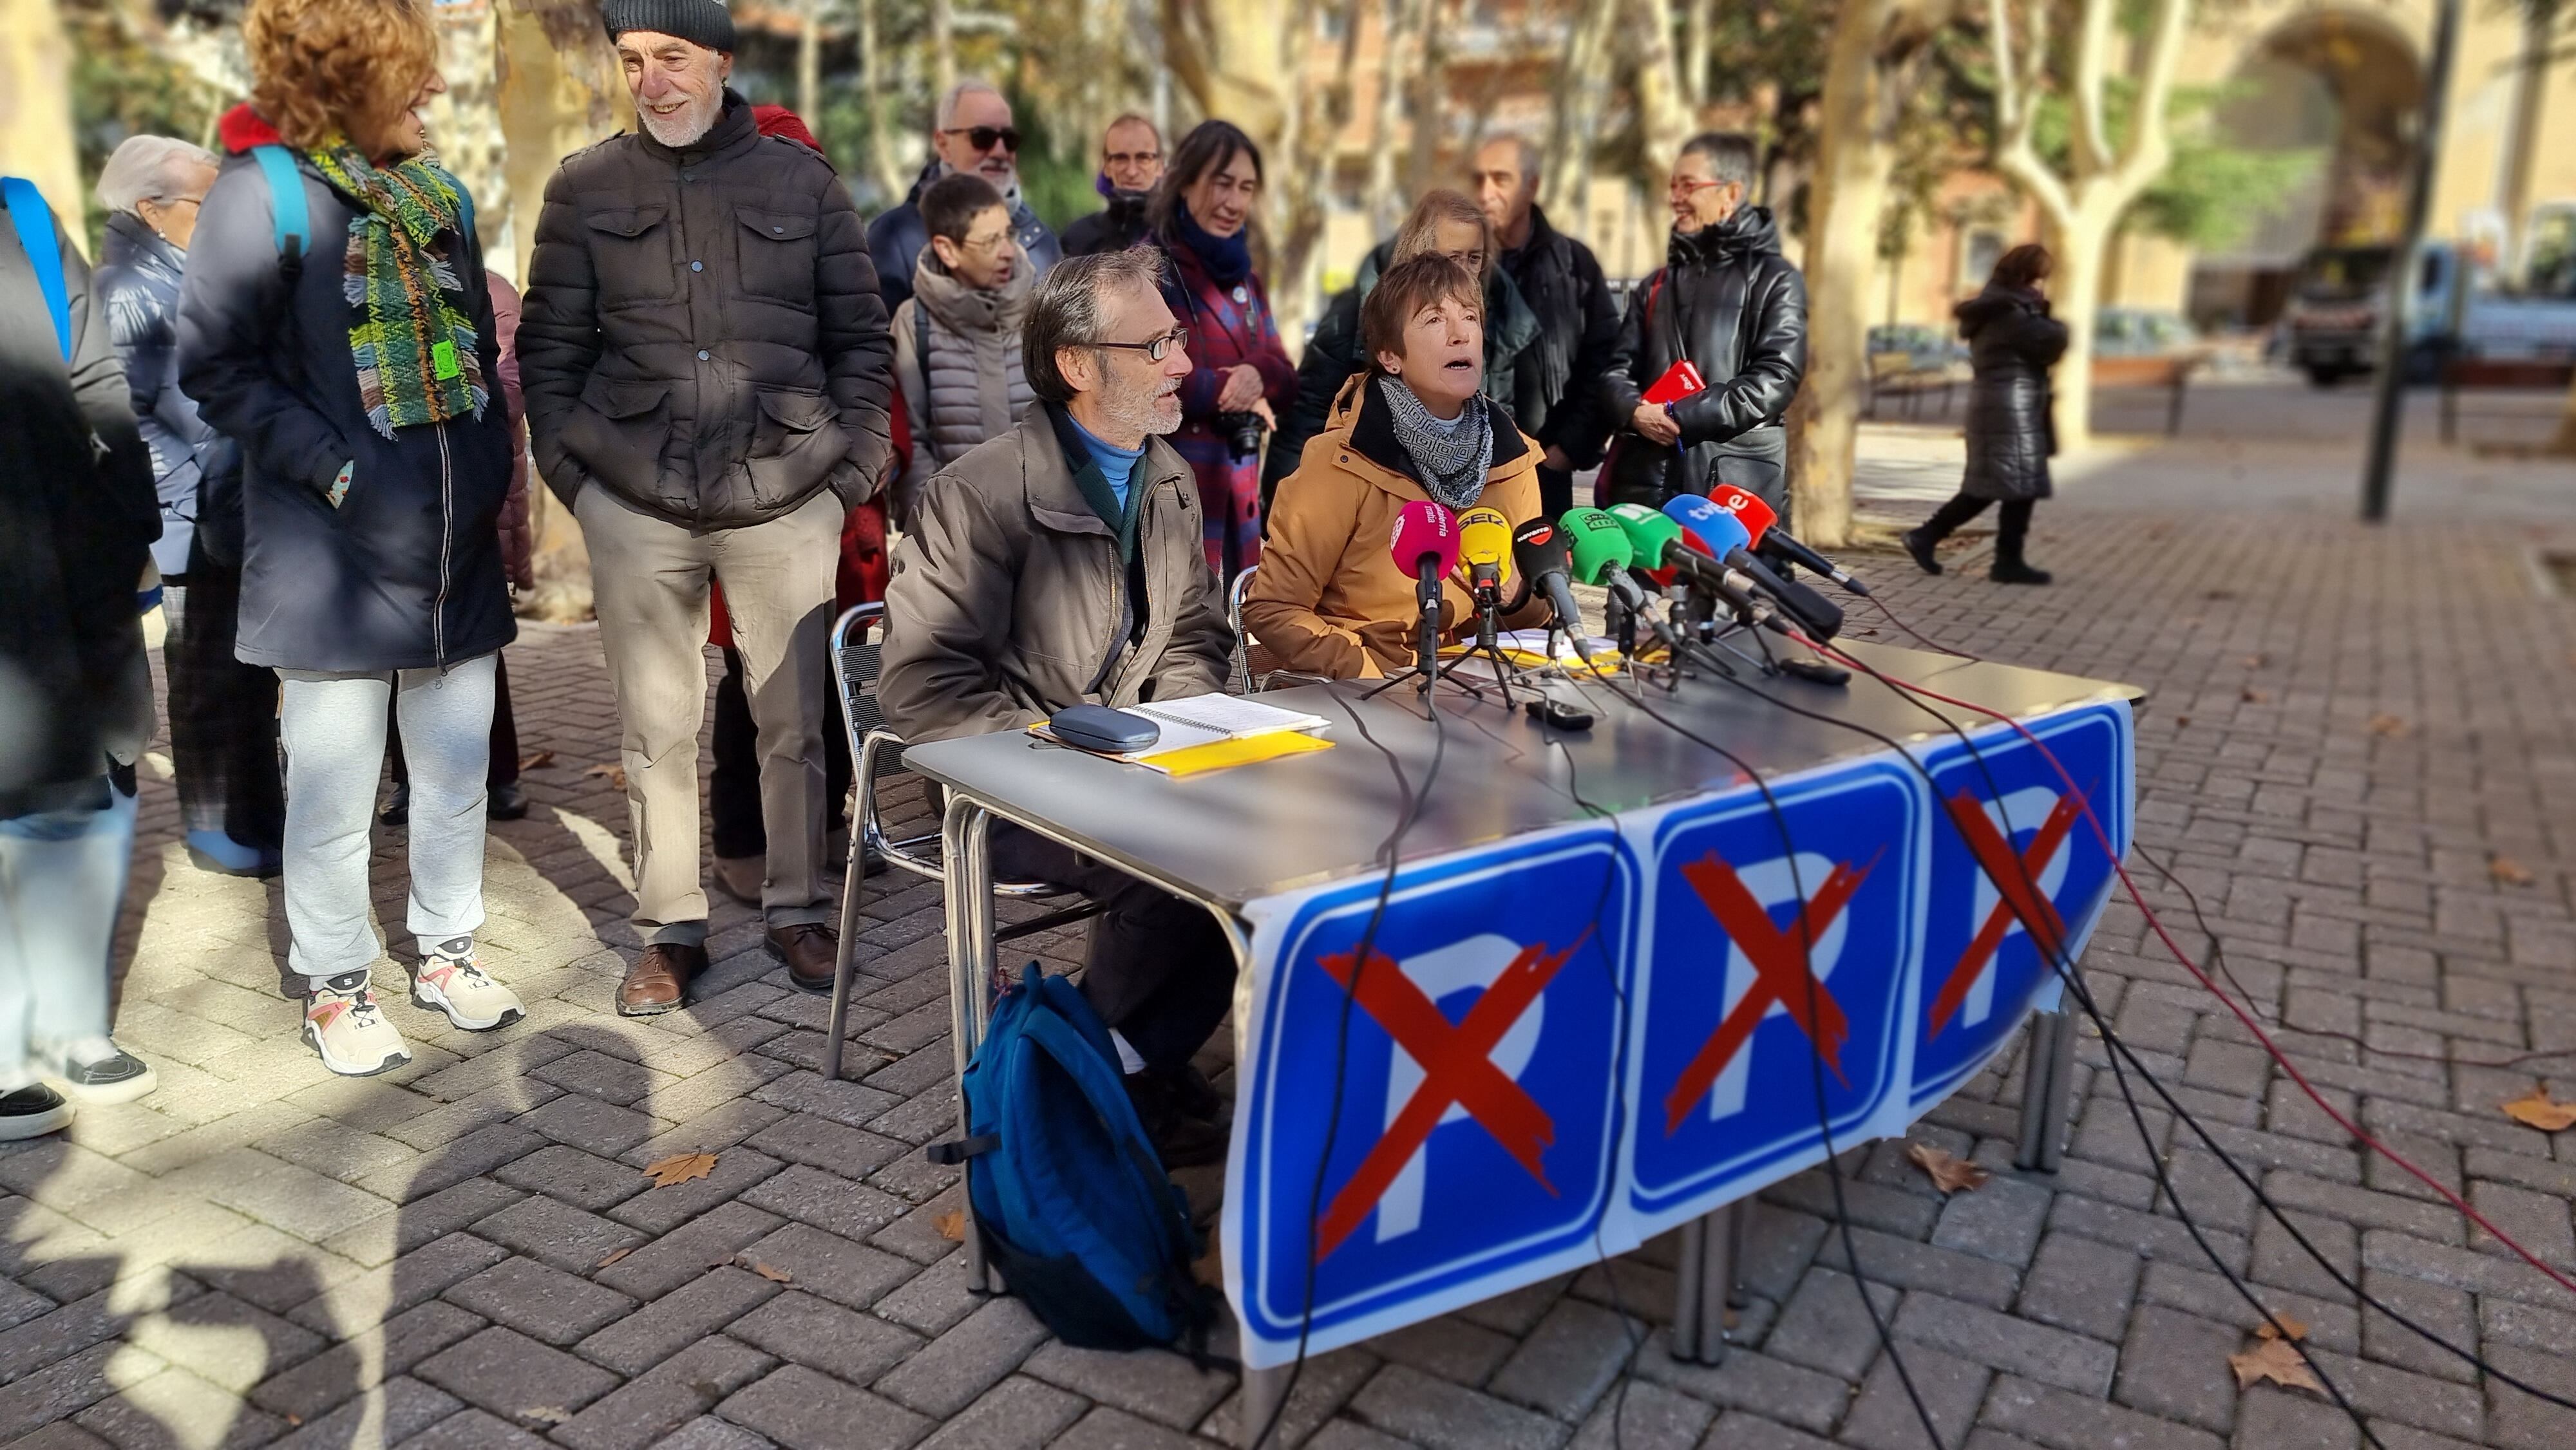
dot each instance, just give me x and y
(2251, 1025)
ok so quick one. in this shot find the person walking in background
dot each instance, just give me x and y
(1418, 425)
(970, 134)
(2012, 344)
(1553, 394)
(223, 713)
(1444, 222)
(1131, 161)
(358, 377)
(957, 337)
(503, 799)
(705, 358)
(1243, 380)
(1729, 304)
(77, 521)
(1062, 564)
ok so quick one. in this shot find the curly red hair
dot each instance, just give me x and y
(321, 68)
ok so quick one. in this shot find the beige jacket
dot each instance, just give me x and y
(1329, 600)
(1009, 601)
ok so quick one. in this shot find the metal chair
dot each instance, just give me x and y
(1238, 677)
(876, 752)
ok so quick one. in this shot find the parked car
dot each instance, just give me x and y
(2139, 332)
(2332, 323)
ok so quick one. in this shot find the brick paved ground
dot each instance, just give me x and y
(260, 1253)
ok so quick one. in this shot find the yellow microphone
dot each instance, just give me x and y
(1484, 548)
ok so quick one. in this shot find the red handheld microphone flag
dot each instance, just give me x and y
(1424, 530)
(1748, 508)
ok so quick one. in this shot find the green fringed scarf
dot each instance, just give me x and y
(417, 355)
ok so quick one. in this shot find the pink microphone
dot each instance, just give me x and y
(1424, 544)
(1748, 508)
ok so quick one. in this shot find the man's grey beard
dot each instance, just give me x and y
(1145, 414)
(684, 128)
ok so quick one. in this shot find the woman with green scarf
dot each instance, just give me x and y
(356, 367)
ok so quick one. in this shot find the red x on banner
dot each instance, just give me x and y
(1782, 974)
(1457, 1067)
(2016, 879)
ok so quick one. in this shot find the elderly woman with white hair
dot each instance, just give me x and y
(223, 713)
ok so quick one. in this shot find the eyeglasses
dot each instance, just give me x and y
(1683, 188)
(1130, 158)
(983, 137)
(994, 243)
(1155, 349)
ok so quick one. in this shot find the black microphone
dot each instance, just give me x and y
(1541, 558)
(1757, 518)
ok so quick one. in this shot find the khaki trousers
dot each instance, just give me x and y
(649, 582)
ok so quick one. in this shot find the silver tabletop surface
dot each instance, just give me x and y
(1237, 835)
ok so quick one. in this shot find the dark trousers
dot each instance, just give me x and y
(1159, 969)
(504, 769)
(1555, 492)
(2012, 526)
(223, 716)
(733, 789)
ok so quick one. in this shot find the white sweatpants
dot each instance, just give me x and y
(333, 727)
(62, 877)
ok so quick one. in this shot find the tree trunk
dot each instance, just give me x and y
(1664, 119)
(1576, 94)
(875, 82)
(2081, 243)
(1314, 135)
(1845, 196)
(2522, 140)
(560, 90)
(465, 126)
(2564, 445)
(809, 63)
(1381, 203)
(36, 108)
(1427, 93)
(943, 50)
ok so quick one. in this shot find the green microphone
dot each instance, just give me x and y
(1655, 538)
(1601, 548)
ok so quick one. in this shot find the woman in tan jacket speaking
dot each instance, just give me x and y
(1329, 599)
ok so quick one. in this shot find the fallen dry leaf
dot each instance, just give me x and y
(538, 761)
(775, 1276)
(2281, 1326)
(611, 772)
(1948, 1172)
(2252, 696)
(2508, 871)
(2256, 661)
(613, 1255)
(680, 1169)
(293, 1419)
(951, 1225)
(2181, 720)
(546, 1415)
(2388, 725)
(2539, 1112)
(2276, 1360)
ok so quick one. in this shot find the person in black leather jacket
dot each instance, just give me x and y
(2012, 343)
(223, 713)
(1729, 303)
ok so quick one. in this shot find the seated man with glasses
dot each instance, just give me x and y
(970, 135)
(957, 340)
(1061, 564)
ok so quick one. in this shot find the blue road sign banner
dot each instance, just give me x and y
(1458, 1085)
(2003, 813)
(1773, 983)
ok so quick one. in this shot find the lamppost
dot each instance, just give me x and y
(2379, 465)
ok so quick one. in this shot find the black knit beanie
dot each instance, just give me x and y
(706, 22)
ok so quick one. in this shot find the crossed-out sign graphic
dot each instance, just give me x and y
(2017, 878)
(1775, 984)
(1457, 1084)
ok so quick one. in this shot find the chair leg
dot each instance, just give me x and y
(845, 959)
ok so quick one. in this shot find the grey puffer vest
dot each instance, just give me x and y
(957, 360)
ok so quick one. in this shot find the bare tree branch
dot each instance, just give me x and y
(2089, 135)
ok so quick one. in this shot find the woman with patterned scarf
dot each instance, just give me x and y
(1329, 599)
(357, 372)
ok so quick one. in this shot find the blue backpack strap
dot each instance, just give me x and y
(35, 223)
(289, 220)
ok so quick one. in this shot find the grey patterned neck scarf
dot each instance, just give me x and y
(1450, 460)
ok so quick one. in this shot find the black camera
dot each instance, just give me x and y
(1242, 434)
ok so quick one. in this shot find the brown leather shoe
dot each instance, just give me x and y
(659, 979)
(811, 951)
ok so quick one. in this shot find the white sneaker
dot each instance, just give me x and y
(453, 982)
(94, 1070)
(348, 1029)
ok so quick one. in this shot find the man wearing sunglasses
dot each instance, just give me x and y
(970, 135)
(1731, 306)
(1061, 564)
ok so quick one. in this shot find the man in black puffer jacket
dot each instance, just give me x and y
(1556, 395)
(707, 366)
(1728, 303)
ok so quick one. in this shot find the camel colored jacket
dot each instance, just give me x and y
(1329, 600)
